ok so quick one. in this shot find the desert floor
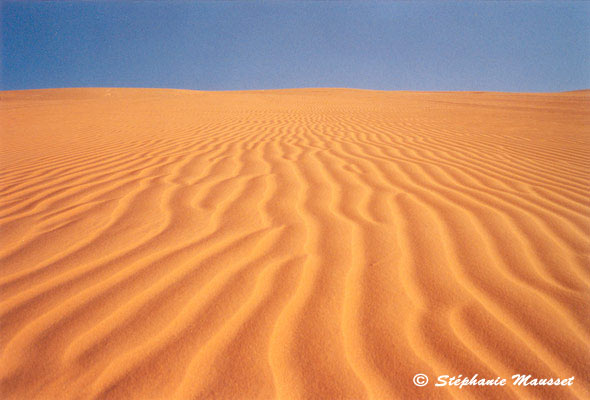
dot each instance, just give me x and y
(292, 244)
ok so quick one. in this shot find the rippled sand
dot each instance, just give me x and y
(292, 244)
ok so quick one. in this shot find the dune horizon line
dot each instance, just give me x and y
(581, 90)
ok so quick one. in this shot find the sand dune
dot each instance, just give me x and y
(293, 244)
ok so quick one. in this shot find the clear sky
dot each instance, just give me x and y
(501, 46)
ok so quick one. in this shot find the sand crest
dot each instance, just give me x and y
(292, 244)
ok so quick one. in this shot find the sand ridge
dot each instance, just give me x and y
(293, 244)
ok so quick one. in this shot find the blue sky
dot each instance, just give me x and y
(500, 46)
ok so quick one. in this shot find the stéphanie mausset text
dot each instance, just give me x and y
(517, 380)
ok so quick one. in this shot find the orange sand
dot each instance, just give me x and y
(292, 244)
